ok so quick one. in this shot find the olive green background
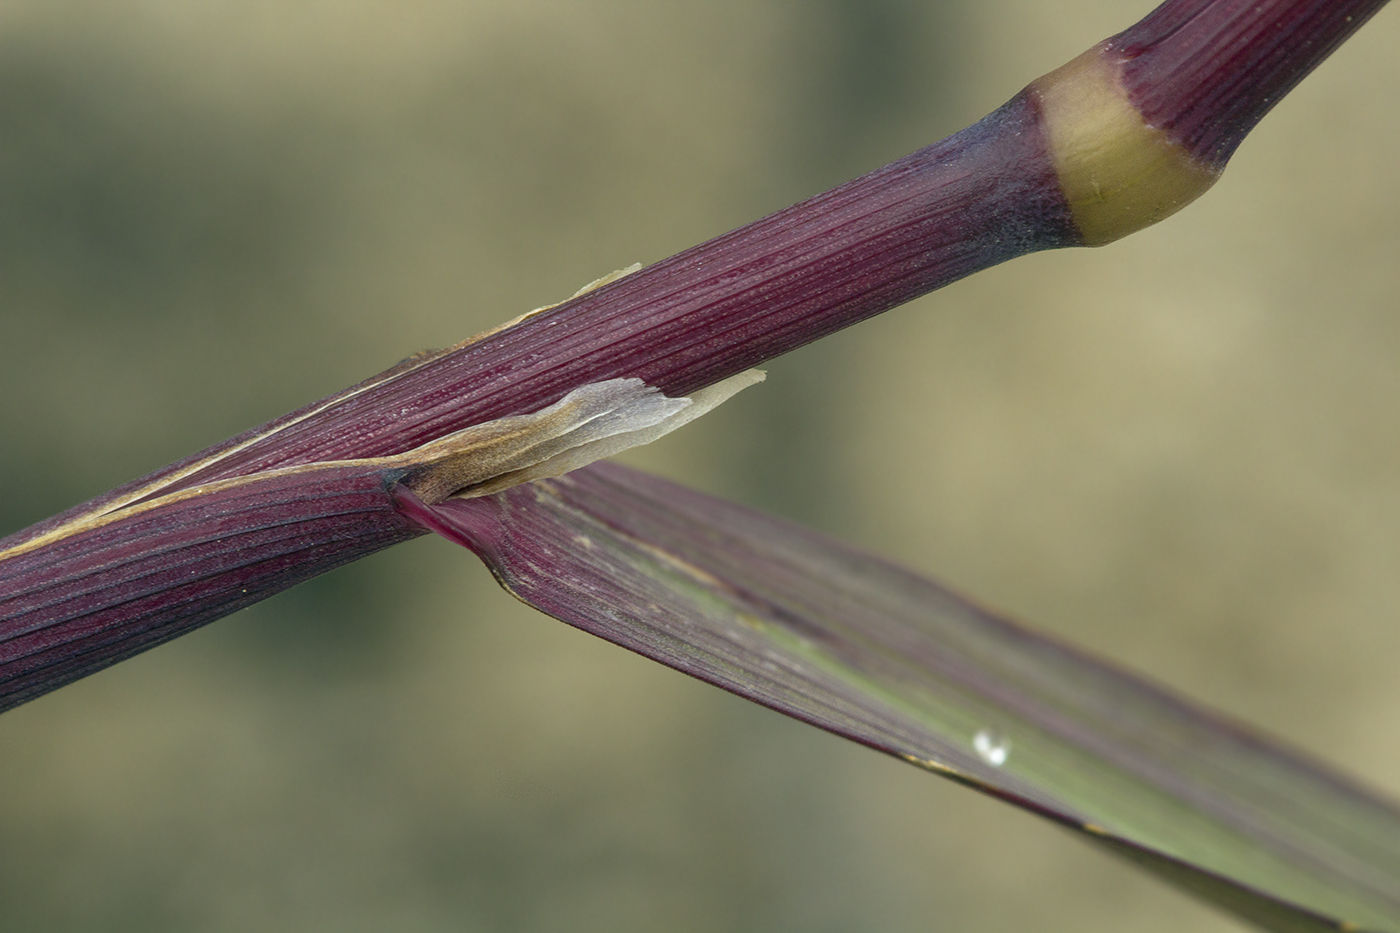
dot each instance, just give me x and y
(1182, 450)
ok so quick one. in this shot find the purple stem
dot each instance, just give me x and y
(1207, 71)
(100, 595)
(94, 597)
(976, 199)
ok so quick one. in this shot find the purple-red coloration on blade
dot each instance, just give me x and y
(819, 631)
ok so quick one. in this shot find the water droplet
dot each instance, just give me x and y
(992, 748)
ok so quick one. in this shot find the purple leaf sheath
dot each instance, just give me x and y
(77, 598)
(212, 533)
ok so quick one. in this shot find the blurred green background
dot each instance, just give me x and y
(1182, 450)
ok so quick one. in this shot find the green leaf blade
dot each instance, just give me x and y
(824, 633)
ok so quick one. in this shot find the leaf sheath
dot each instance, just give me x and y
(115, 588)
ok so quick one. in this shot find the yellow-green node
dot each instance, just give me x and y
(1118, 173)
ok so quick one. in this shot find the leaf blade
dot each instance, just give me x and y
(802, 624)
